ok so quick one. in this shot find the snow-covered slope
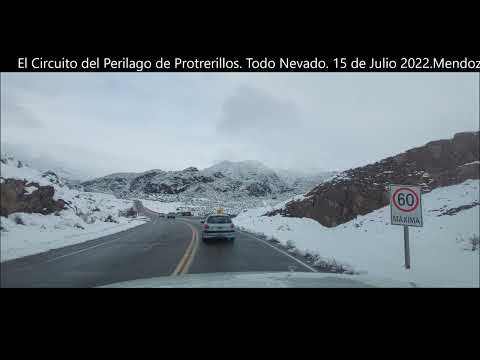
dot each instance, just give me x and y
(86, 216)
(231, 185)
(441, 251)
(303, 182)
(242, 170)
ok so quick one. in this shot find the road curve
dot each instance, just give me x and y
(161, 247)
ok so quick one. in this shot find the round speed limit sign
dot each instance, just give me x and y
(405, 199)
(405, 205)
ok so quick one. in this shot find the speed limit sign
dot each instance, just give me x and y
(406, 205)
(406, 210)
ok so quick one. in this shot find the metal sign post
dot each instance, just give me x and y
(406, 210)
(407, 247)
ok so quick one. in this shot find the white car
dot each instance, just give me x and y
(218, 226)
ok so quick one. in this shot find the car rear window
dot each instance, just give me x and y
(219, 220)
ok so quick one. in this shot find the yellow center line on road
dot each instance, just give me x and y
(187, 258)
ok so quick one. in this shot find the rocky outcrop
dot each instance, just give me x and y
(20, 196)
(218, 175)
(456, 210)
(362, 190)
(258, 189)
(52, 177)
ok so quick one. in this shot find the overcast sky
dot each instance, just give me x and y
(99, 123)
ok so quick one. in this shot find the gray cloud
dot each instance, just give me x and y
(257, 123)
(253, 111)
(135, 122)
(20, 116)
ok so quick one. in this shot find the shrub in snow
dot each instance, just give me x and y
(110, 218)
(469, 244)
(130, 212)
(89, 219)
(18, 220)
(274, 240)
(290, 244)
(84, 217)
(474, 242)
(283, 228)
(331, 265)
(309, 257)
(299, 252)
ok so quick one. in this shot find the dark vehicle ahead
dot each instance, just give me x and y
(161, 215)
(186, 213)
(171, 215)
(218, 226)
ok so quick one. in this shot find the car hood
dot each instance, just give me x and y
(264, 280)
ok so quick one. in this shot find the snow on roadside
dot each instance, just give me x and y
(42, 234)
(440, 251)
(87, 216)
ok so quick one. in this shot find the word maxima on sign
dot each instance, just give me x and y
(406, 205)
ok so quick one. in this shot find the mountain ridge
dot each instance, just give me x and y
(246, 183)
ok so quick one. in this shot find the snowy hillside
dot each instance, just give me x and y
(303, 182)
(85, 217)
(445, 252)
(231, 185)
(241, 169)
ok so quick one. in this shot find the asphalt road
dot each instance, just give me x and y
(161, 247)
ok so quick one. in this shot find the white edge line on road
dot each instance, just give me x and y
(281, 251)
(86, 249)
(80, 251)
(69, 254)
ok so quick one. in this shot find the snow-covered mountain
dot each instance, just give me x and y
(241, 169)
(232, 185)
(301, 181)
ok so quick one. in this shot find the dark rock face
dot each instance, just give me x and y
(52, 177)
(362, 190)
(14, 198)
(258, 189)
(139, 181)
(203, 179)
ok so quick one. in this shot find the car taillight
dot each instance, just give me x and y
(205, 226)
